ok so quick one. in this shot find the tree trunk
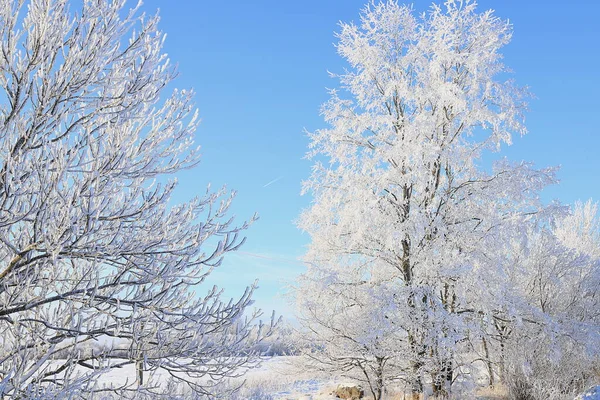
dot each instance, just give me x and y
(379, 379)
(488, 363)
(442, 379)
(139, 372)
(416, 384)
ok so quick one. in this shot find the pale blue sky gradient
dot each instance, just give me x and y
(260, 72)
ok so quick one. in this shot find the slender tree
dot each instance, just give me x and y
(97, 269)
(404, 216)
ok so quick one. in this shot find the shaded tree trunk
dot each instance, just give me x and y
(488, 363)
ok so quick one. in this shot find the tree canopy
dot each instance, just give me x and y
(410, 235)
(99, 269)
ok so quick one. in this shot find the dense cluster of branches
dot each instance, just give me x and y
(426, 267)
(97, 269)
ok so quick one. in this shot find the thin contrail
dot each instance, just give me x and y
(273, 181)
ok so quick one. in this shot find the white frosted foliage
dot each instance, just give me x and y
(410, 267)
(97, 269)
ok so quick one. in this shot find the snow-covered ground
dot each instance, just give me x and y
(280, 378)
(277, 378)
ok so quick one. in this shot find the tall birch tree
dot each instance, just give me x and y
(404, 213)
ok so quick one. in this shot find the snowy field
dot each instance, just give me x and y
(277, 378)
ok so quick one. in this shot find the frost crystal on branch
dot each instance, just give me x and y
(97, 270)
(409, 255)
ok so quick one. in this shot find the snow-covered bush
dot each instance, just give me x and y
(553, 351)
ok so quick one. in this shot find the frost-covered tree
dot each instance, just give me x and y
(98, 269)
(551, 348)
(405, 221)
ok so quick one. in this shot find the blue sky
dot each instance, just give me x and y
(259, 70)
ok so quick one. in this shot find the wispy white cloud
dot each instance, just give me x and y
(275, 257)
(274, 272)
(276, 268)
